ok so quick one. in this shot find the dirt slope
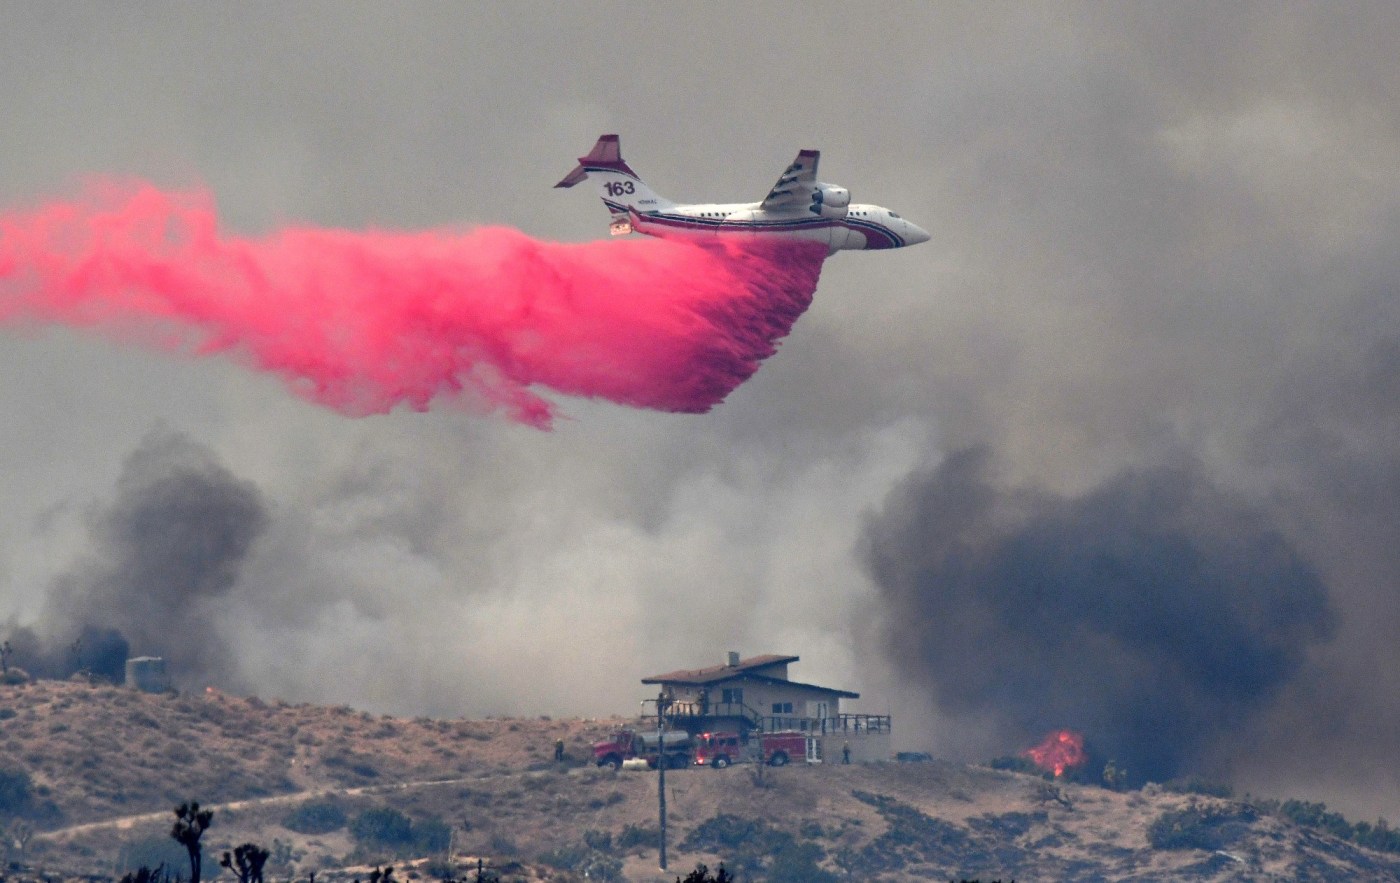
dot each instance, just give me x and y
(110, 763)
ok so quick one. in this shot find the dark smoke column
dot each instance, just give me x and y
(1155, 614)
(173, 540)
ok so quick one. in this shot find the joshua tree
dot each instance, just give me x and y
(5, 651)
(702, 874)
(190, 824)
(483, 875)
(247, 862)
(381, 876)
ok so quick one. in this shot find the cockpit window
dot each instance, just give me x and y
(893, 215)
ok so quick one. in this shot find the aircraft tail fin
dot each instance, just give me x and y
(618, 185)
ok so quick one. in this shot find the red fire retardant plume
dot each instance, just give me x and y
(1058, 751)
(365, 321)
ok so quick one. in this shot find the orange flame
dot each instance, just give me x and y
(1057, 752)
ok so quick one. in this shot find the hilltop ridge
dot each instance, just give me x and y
(107, 764)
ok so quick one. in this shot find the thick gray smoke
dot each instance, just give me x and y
(170, 544)
(98, 650)
(1154, 613)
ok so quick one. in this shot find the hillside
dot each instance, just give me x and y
(107, 764)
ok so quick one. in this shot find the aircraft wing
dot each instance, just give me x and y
(795, 185)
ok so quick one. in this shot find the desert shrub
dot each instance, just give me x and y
(154, 852)
(147, 875)
(1017, 765)
(15, 793)
(320, 817)
(910, 837)
(585, 861)
(141, 718)
(797, 863)
(633, 836)
(431, 835)
(565, 858)
(502, 844)
(702, 874)
(601, 867)
(14, 677)
(341, 761)
(386, 829)
(600, 841)
(724, 833)
(1379, 836)
(1316, 815)
(612, 799)
(382, 828)
(19, 798)
(1198, 785)
(180, 755)
(749, 844)
(1007, 826)
(284, 856)
(1200, 827)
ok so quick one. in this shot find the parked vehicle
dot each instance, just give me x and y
(643, 745)
(719, 750)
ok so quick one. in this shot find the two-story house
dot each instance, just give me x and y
(744, 695)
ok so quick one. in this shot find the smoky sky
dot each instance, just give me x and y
(1154, 613)
(168, 545)
(1162, 266)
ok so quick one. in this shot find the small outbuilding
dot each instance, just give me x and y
(147, 674)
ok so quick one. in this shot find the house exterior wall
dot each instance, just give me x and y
(761, 696)
(865, 746)
(771, 703)
(777, 670)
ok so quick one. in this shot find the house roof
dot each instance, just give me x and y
(744, 671)
(714, 673)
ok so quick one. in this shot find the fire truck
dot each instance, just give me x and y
(719, 750)
(633, 744)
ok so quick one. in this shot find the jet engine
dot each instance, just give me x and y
(830, 201)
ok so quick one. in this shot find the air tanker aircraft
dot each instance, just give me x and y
(798, 207)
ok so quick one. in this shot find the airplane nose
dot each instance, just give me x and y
(915, 234)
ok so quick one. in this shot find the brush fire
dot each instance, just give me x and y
(1060, 750)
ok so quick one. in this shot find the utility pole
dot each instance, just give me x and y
(661, 762)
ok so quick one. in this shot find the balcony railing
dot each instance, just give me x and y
(689, 715)
(846, 724)
(697, 710)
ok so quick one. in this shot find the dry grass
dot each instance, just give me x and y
(105, 753)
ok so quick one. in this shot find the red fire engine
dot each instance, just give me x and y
(719, 750)
(629, 744)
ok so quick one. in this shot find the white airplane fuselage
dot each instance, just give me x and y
(798, 207)
(865, 227)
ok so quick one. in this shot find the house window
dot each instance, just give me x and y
(782, 708)
(732, 695)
